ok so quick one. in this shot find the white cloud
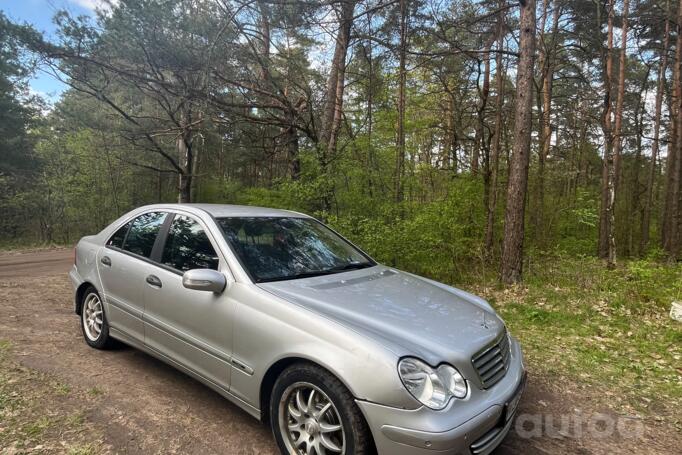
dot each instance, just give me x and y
(93, 5)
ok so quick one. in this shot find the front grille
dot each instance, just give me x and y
(492, 362)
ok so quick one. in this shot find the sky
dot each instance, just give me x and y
(39, 13)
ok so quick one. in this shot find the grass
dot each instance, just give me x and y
(37, 427)
(38, 414)
(95, 391)
(82, 450)
(60, 388)
(6, 398)
(608, 330)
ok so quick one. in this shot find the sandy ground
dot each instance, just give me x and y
(35, 263)
(148, 407)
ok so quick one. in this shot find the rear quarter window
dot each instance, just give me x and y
(119, 236)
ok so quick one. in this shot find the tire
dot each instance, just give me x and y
(96, 336)
(314, 424)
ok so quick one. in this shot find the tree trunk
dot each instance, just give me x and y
(450, 135)
(655, 146)
(333, 108)
(482, 143)
(622, 62)
(185, 184)
(288, 133)
(185, 150)
(194, 171)
(606, 249)
(671, 237)
(634, 184)
(546, 62)
(497, 138)
(185, 176)
(669, 166)
(265, 41)
(369, 57)
(291, 146)
(402, 79)
(512, 249)
(479, 140)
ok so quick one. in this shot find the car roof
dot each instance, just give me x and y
(228, 210)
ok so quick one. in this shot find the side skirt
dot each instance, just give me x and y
(117, 334)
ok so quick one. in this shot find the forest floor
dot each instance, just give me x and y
(603, 360)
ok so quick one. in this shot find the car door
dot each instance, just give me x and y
(193, 328)
(123, 265)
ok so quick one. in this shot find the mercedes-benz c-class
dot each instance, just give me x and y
(284, 317)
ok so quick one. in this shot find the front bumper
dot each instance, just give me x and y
(473, 426)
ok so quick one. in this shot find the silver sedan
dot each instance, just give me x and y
(303, 330)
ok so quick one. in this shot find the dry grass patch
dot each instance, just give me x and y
(41, 415)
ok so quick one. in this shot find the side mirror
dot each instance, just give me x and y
(204, 280)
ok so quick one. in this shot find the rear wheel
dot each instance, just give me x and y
(312, 413)
(93, 321)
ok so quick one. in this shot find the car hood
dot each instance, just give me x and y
(408, 314)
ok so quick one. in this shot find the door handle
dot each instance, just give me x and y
(106, 261)
(153, 280)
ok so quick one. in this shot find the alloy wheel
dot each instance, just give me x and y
(309, 422)
(93, 317)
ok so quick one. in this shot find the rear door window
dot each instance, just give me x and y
(188, 247)
(143, 232)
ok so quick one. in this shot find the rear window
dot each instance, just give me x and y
(143, 232)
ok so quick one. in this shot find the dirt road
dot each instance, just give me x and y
(135, 404)
(37, 263)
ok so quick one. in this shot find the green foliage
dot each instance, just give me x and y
(440, 239)
(111, 142)
(18, 115)
(610, 328)
(577, 222)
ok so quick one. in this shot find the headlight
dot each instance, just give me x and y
(432, 387)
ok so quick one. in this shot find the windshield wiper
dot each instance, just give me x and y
(350, 266)
(296, 276)
(330, 271)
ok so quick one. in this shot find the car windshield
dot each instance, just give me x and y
(274, 249)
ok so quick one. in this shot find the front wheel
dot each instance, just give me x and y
(312, 413)
(93, 321)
